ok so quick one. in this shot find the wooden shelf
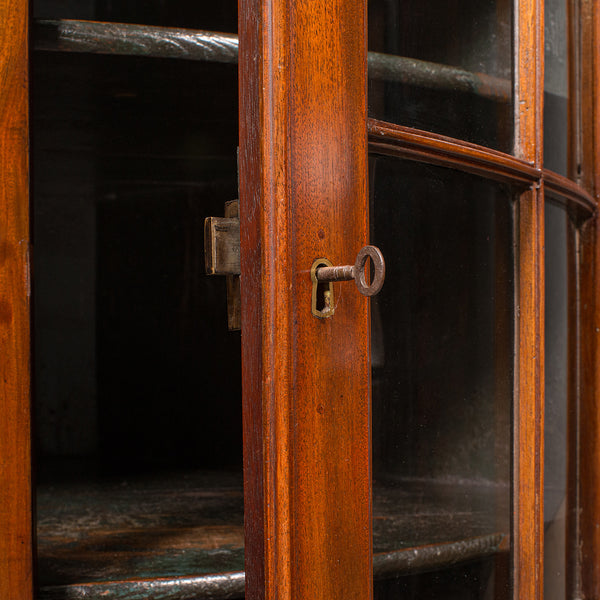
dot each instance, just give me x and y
(181, 536)
(138, 529)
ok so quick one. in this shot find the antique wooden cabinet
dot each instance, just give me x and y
(437, 440)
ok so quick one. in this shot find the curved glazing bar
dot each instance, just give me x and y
(423, 146)
(567, 193)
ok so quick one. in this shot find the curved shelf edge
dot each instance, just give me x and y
(437, 556)
(229, 586)
(96, 37)
(220, 586)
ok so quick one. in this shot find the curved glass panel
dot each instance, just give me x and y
(444, 67)
(557, 226)
(442, 360)
(556, 85)
(138, 426)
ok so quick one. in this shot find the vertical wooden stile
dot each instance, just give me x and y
(306, 382)
(528, 473)
(15, 445)
(583, 552)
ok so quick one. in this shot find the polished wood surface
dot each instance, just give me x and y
(424, 146)
(569, 194)
(431, 148)
(577, 267)
(585, 528)
(529, 401)
(303, 196)
(583, 534)
(15, 446)
(528, 463)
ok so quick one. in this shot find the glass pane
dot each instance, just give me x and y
(137, 395)
(443, 66)
(555, 420)
(212, 16)
(556, 86)
(442, 370)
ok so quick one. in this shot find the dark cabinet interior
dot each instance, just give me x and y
(137, 391)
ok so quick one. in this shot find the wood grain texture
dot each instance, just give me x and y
(569, 194)
(572, 524)
(528, 565)
(583, 524)
(529, 408)
(586, 578)
(15, 453)
(432, 148)
(529, 80)
(306, 381)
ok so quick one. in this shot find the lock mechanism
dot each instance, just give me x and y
(222, 257)
(323, 274)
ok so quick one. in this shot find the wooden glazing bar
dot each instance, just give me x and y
(584, 525)
(422, 146)
(168, 42)
(15, 445)
(569, 193)
(584, 153)
(414, 144)
(528, 489)
(573, 442)
(529, 409)
(303, 195)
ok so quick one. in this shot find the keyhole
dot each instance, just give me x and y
(322, 293)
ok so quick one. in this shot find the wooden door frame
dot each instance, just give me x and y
(528, 433)
(583, 524)
(303, 196)
(16, 581)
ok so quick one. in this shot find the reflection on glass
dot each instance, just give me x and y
(555, 419)
(444, 67)
(442, 355)
(556, 86)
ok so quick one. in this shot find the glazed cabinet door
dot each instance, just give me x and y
(438, 439)
(453, 378)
